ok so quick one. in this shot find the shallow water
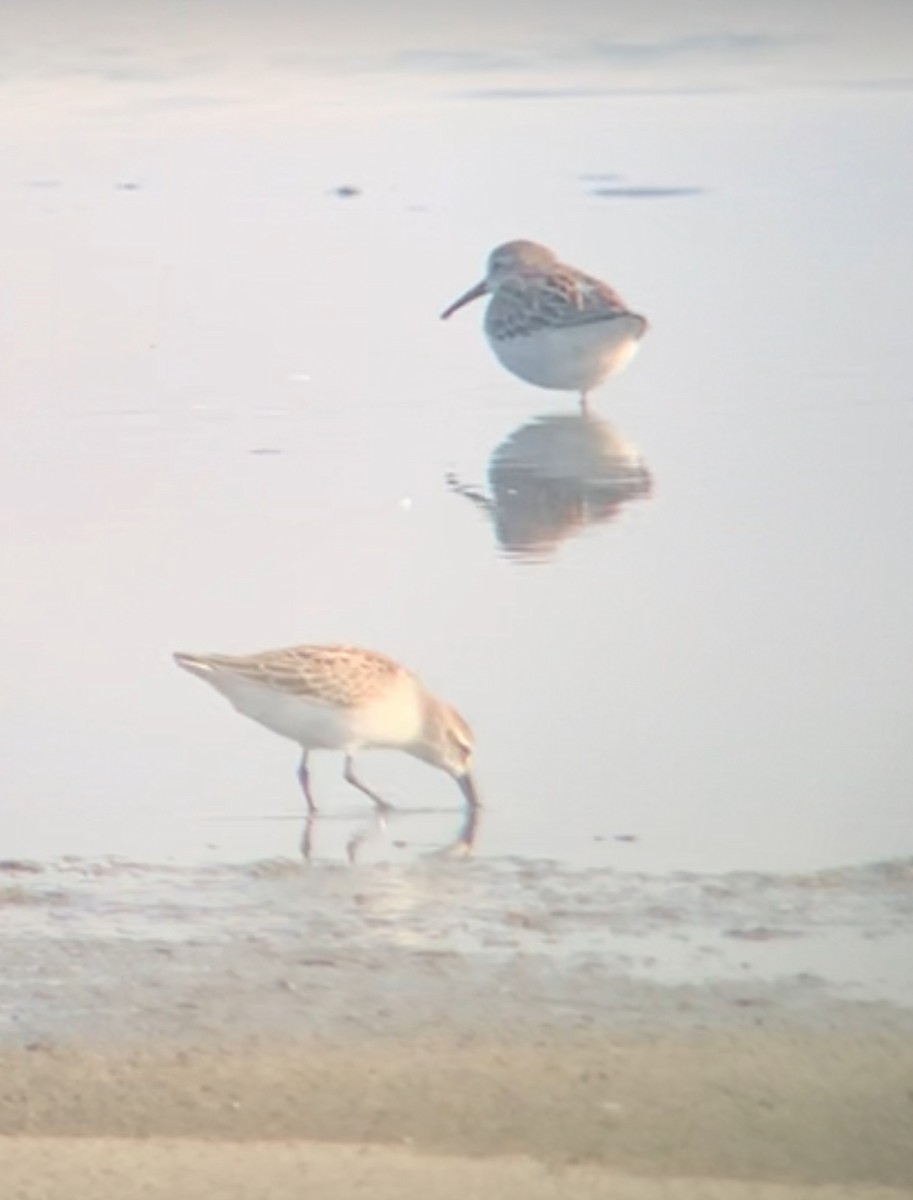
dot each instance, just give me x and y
(232, 420)
(770, 940)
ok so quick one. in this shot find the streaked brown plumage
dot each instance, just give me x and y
(341, 697)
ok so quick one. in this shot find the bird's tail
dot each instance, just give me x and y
(203, 665)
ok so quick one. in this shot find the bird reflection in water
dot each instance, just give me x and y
(555, 476)
(380, 828)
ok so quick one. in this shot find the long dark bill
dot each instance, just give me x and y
(480, 289)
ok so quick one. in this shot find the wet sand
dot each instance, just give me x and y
(329, 1040)
(58, 1169)
(555, 1115)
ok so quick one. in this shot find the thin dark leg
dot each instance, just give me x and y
(305, 780)
(307, 837)
(466, 838)
(351, 777)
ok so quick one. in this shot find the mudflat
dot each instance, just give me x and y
(316, 1050)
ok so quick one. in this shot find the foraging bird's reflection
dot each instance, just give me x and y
(388, 827)
(554, 476)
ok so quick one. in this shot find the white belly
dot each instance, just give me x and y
(394, 720)
(572, 358)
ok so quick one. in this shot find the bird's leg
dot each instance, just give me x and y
(350, 777)
(466, 839)
(584, 404)
(307, 837)
(305, 780)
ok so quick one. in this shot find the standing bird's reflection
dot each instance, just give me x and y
(555, 476)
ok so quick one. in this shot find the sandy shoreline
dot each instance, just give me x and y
(59, 1169)
(833, 1108)
(443, 1032)
(270, 1017)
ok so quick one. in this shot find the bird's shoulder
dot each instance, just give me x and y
(554, 299)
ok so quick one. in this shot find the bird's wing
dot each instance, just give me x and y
(555, 299)
(332, 674)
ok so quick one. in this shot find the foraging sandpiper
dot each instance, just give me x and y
(342, 698)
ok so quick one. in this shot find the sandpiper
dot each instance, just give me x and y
(342, 698)
(551, 324)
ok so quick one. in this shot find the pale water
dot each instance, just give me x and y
(232, 420)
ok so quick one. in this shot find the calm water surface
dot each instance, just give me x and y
(232, 420)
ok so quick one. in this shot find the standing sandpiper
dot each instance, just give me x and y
(342, 698)
(551, 324)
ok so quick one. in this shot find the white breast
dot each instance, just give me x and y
(393, 719)
(571, 357)
(313, 725)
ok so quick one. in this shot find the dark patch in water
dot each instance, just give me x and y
(644, 193)
(727, 44)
